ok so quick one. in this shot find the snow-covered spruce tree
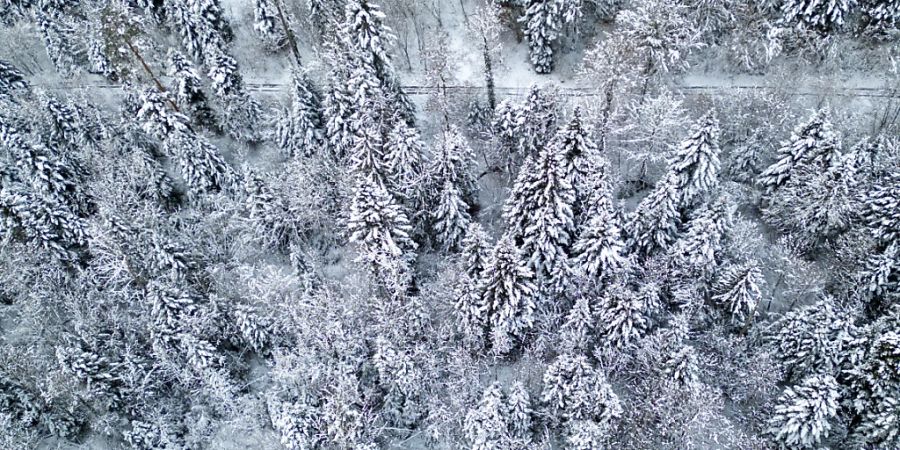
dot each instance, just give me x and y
(10, 80)
(869, 155)
(697, 252)
(64, 129)
(167, 259)
(58, 42)
(201, 354)
(882, 14)
(520, 412)
(170, 308)
(337, 104)
(297, 423)
(187, 91)
(367, 98)
(299, 131)
(64, 122)
(574, 390)
(173, 312)
(817, 205)
(96, 372)
(155, 9)
(571, 11)
(473, 315)
(453, 161)
(873, 381)
(367, 154)
(404, 154)
(880, 276)
(582, 167)
(13, 10)
(542, 23)
(696, 162)
(486, 425)
(154, 184)
(505, 126)
(97, 60)
(365, 35)
(91, 128)
(202, 167)
(744, 166)
(193, 36)
(204, 30)
(715, 18)
(267, 24)
(156, 118)
(240, 111)
(881, 208)
(804, 412)
(622, 317)
(451, 218)
(822, 15)
(210, 17)
(536, 121)
(738, 291)
(600, 251)
(539, 213)
(19, 404)
(45, 169)
(681, 368)
(269, 214)
(326, 16)
(474, 250)
(378, 225)
(813, 146)
(40, 220)
(606, 9)
(125, 40)
(364, 30)
(654, 224)
(210, 12)
(576, 334)
(508, 294)
(310, 279)
(810, 340)
(880, 426)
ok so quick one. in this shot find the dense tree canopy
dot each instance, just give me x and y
(486, 224)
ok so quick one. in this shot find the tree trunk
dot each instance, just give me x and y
(292, 42)
(489, 75)
(607, 112)
(159, 85)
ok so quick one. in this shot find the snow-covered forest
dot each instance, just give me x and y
(450, 224)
